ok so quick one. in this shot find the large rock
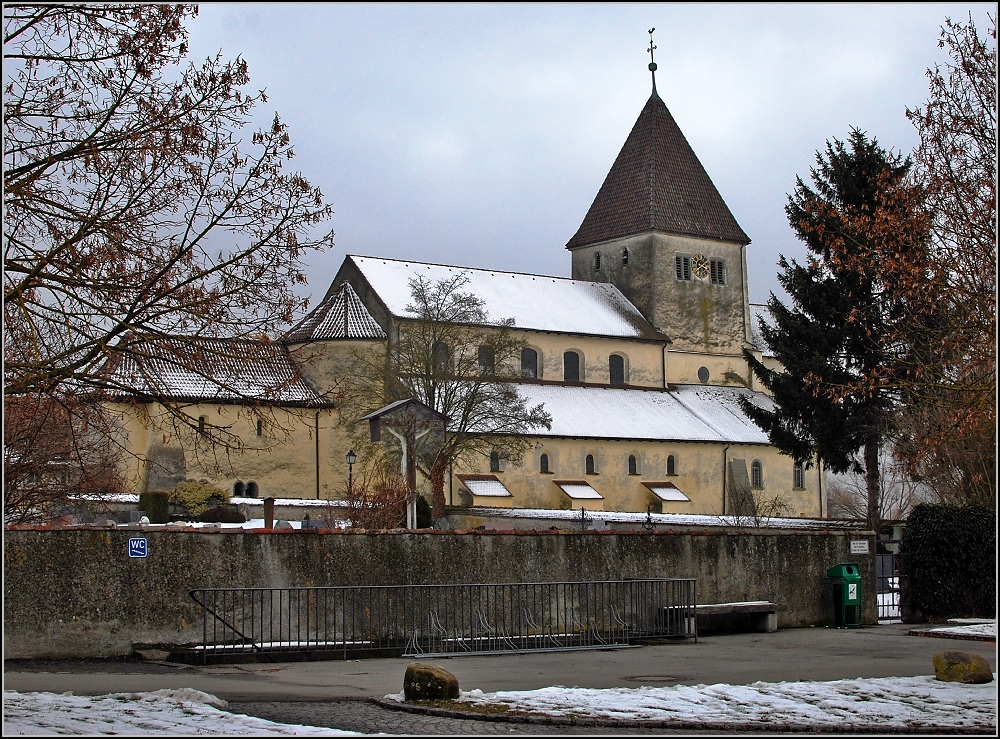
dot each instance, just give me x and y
(961, 667)
(428, 682)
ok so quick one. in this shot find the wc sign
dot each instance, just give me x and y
(137, 547)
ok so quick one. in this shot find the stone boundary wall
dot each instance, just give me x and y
(76, 593)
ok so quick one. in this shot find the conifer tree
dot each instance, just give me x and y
(865, 230)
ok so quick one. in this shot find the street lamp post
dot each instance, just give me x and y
(351, 459)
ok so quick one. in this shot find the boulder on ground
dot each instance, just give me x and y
(428, 682)
(961, 667)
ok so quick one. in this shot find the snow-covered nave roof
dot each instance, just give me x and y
(534, 302)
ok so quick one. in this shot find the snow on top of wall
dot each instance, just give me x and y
(663, 519)
(534, 301)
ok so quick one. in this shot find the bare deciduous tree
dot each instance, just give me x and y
(376, 500)
(139, 221)
(133, 206)
(457, 360)
(898, 491)
(55, 450)
(949, 429)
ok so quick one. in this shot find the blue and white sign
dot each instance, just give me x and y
(137, 547)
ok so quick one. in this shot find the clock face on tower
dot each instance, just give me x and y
(699, 264)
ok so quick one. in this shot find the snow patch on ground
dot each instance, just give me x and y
(183, 711)
(897, 702)
(988, 628)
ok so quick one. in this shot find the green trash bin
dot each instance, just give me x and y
(846, 579)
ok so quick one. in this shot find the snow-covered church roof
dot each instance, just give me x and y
(683, 413)
(536, 302)
(220, 370)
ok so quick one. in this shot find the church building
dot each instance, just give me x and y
(637, 356)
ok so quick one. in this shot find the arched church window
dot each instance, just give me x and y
(590, 464)
(529, 363)
(487, 361)
(756, 474)
(632, 465)
(440, 354)
(597, 261)
(671, 465)
(238, 489)
(543, 463)
(616, 368)
(494, 462)
(260, 427)
(625, 257)
(201, 424)
(799, 477)
(252, 490)
(571, 367)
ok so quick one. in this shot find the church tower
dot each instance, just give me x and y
(661, 233)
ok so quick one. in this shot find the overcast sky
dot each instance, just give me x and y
(478, 135)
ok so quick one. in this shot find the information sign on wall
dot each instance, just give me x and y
(859, 546)
(137, 547)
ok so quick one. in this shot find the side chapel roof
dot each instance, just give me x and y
(341, 315)
(698, 413)
(221, 370)
(657, 184)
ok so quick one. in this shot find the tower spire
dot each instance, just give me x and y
(652, 64)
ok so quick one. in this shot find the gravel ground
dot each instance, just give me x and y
(366, 717)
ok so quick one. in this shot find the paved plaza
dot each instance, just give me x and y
(333, 693)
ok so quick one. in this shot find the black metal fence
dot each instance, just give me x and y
(436, 620)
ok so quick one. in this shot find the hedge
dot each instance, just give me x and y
(156, 504)
(950, 558)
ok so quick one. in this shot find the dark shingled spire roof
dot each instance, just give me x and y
(657, 184)
(341, 315)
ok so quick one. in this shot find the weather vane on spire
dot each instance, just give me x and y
(652, 64)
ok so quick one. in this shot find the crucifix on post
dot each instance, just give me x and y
(420, 430)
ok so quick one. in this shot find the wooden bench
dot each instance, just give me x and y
(761, 615)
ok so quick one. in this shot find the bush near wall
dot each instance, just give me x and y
(950, 555)
(198, 497)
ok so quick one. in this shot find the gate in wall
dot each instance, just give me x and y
(439, 620)
(887, 581)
